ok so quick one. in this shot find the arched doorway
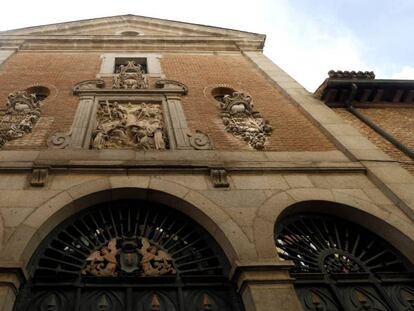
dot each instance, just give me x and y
(128, 255)
(340, 265)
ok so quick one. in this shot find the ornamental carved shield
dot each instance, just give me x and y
(129, 259)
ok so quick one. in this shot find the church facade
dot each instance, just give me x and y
(149, 164)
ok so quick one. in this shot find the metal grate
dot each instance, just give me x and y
(128, 225)
(342, 266)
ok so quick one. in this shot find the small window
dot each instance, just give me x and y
(219, 92)
(123, 61)
(130, 33)
(41, 92)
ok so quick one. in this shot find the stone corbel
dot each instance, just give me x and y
(39, 177)
(219, 178)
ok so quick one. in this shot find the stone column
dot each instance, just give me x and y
(266, 285)
(83, 123)
(10, 280)
(177, 122)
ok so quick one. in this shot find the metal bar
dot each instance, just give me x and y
(374, 126)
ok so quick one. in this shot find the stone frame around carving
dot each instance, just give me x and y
(167, 93)
(108, 64)
(149, 99)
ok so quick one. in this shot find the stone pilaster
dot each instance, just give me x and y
(266, 285)
(10, 281)
(82, 126)
(177, 122)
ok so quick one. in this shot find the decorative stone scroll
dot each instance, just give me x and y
(88, 85)
(126, 125)
(135, 256)
(171, 84)
(199, 140)
(23, 111)
(131, 76)
(240, 120)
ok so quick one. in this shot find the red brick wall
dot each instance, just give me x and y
(399, 122)
(59, 72)
(292, 131)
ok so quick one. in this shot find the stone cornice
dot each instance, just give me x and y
(144, 43)
(110, 161)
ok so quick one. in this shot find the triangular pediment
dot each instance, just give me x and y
(129, 25)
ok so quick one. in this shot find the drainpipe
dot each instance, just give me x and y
(348, 104)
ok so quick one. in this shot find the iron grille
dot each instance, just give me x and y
(128, 255)
(342, 266)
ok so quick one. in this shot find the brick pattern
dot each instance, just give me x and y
(59, 72)
(37, 138)
(399, 122)
(292, 131)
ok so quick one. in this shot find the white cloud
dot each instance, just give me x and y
(305, 44)
(307, 47)
(406, 72)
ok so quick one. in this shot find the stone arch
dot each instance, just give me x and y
(396, 230)
(27, 237)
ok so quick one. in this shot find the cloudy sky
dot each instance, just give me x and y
(306, 38)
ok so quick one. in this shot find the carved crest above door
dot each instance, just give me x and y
(133, 256)
(131, 76)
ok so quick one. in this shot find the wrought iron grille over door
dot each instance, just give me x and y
(128, 255)
(342, 266)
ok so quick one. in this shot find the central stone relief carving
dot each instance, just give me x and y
(131, 76)
(130, 125)
(241, 120)
(23, 111)
(135, 256)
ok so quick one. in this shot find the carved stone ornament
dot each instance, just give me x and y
(199, 140)
(240, 120)
(39, 177)
(59, 140)
(22, 113)
(131, 76)
(130, 256)
(219, 178)
(171, 84)
(138, 126)
(88, 85)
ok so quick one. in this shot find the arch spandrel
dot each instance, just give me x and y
(211, 217)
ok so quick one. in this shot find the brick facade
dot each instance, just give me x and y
(57, 71)
(396, 121)
(292, 131)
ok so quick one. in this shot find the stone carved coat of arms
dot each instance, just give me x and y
(242, 121)
(135, 256)
(22, 113)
